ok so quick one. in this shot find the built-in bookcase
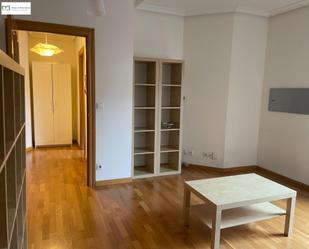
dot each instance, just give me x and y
(145, 116)
(170, 112)
(12, 155)
(157, 117)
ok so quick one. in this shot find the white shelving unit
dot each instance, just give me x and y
(13, 229)
(157, 104)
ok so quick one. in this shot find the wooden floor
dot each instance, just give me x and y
(63, 213)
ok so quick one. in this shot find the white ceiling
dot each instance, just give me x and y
(201, 7)
(50, 36)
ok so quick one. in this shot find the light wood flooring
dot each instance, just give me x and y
(146, 214)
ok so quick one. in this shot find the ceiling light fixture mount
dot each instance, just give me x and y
(45, 49)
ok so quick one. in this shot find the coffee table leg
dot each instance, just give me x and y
(289, 218)
(216, 227)
(186, 206)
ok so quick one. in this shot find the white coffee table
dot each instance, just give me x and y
(236, 200)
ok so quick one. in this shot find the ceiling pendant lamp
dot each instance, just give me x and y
(45, 49)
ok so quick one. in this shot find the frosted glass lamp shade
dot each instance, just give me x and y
(45, 49)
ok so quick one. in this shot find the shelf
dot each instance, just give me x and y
(142, 170)
(172, 129)
(170, 108)
(143, 164)
(145, 96)
(170, 140)
(3, 221)
(172, 73)
(19, 223)
(9, 109)
(145, 72)
(11, 189)
(145, 118)
(24, 202)
(171, 115)
(145, 101)
(17, 102)
(22, 98)
(23, 152)
(25, 240)
(12, 156)
(18, 165)
(143, 84)
(165, 149)
(239, 216)
(166, 168)
(156, 101)
(143, 129)
(14, 241)
(171, 96)
(169, 162)
(171, 85)
(144, 108)
(144, 143)
(143, 151)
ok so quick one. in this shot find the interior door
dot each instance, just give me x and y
(62, 104)
(43, 104)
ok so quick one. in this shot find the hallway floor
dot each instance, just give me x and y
(146, 214)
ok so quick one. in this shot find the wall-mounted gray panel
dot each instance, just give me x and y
(290, 100)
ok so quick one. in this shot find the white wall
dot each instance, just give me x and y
(158, 35)
(245, 90)
(224, 57)
(113, 57)
(223, 67)
(284, 138)
(207, 54)
(24, 61)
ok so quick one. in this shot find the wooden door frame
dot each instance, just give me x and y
(89, 34)
(81, 56)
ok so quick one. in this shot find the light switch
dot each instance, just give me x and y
(99, 106)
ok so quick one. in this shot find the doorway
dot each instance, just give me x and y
(86, 88)
(82, 100)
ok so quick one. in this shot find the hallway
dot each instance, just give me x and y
(57, 197)
(146, 214)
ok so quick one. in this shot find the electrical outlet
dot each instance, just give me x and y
(99, 106)
(188, 152)
(210, 155)
(214, 156)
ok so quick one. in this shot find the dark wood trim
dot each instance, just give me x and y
(233, 170)
(254, 169)
(29, 149)
(8, 36)
(81, 59)
(282, 179)
(89, 34)
(11, 38)
(113, 182)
